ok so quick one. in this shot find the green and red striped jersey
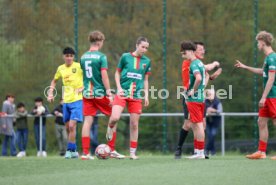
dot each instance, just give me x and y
(270, 66)
(133, 70)
(92, 63)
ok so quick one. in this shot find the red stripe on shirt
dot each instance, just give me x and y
(102, 69)
(119, 69)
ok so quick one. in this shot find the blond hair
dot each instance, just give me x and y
(266, 37)
(95, 36)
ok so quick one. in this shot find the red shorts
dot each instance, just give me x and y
(269, 109)
(196, 111)
(134, 105)
(91, 106)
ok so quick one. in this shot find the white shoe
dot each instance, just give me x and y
(196, 156)
(109, 133)
(87, 157)
(20, 154)
(116, 155)
(44, 154)
(133, 156)
(39, 154)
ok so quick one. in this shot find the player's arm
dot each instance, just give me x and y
(213, 65)
(268, 86)
(106, 82)
(207, 77)
(146, 88)
(118, 84)
(198, 79)
(252, 69)
(50, 92)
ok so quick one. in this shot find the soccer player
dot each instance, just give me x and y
(195, 96)
(200, 53)
(267, 103)
(131, 79)
(71, 74)
(96, 94)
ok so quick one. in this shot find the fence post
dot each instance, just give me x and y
(40, 135)
(222, 134)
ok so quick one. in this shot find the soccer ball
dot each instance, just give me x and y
(103, 151)
(40, 109)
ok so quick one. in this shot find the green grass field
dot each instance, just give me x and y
(149, 170)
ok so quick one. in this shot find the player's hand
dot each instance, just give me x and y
(120, 92)
(262, 102)
(79, 90)
(146, 103)
(216, 63)
(239, 64)
(50, 98)
(191, 92)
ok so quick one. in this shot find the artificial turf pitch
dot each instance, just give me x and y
(148, 170)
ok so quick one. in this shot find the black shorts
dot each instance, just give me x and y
(185, 109)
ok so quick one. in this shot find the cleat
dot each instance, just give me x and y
(87, 157)
(273, 158)
(114, 154)
(256, 155)
(133, 157)
(39, 154)
(109, 133)
(74, 154)
(196, 156)
(68, 155)
(178, 153)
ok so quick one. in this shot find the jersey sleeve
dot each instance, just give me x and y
(271, 62)
(148, 69)
(120, 65)
(104, 64)
(194, 68)
(57, 75)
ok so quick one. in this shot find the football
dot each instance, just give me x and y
(103, 151)
(40, 110)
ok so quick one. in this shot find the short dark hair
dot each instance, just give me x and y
(198, 43)
(68, 50)
(141, 39)
(187, 45)
(38, 99)
(9, 96)
(20, 104)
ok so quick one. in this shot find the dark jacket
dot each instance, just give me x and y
(21, 120)
(216, 104)
(36, 119)
(59, 119)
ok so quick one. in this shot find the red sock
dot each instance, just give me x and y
(133, 147)
(133, 144)
(85, 144)
(262, 146)
(200, 145)
(111, 143)
(195, 144)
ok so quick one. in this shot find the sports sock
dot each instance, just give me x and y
(133, 147)
(182, 136)
(195, 146)
(71, 147)
(200, 145)
(85, 145)
(262, 146)
(112, 142)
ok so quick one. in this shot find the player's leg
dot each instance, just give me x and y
(75, 110)
(135, 110)
(89, 111)
(133, 128)
(274, 123)
(196, 111)
(115, 114)
(183, 132)
(264, 114)
(263, 137)
(118, 106)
